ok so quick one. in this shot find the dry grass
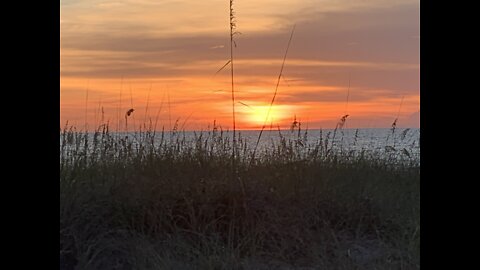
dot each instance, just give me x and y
(130, 203)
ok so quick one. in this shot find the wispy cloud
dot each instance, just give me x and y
(217, 47)
(181, 44)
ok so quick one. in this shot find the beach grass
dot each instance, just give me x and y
(156, 200)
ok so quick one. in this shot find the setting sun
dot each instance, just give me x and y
(256, 115)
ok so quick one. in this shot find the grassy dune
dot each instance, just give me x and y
(126, 203)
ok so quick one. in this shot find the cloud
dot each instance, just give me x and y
(382, 39)
(336, 96)
(375, 43)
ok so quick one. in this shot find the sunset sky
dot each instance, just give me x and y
(160, 58)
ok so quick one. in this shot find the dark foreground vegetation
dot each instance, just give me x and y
(130, 203)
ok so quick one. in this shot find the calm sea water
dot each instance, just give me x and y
(404, 141)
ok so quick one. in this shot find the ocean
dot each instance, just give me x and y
(401, 143)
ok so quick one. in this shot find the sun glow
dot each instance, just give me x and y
(264, 114)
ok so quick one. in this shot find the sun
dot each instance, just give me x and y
(264, 114)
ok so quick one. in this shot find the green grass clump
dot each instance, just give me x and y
(158, 201)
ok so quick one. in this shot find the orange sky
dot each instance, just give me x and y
(160, 57)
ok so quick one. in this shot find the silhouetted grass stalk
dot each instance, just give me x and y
(274, 94)
(394, 124)
(233, 32)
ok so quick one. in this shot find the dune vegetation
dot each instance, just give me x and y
(155, 200)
